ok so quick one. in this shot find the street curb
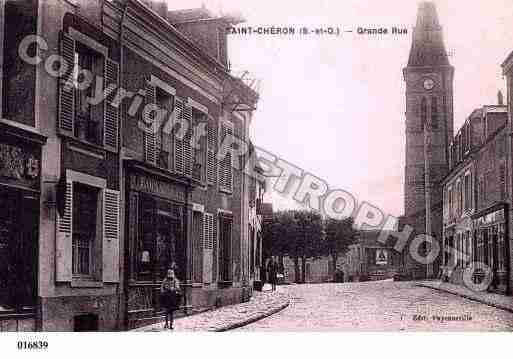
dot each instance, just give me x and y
(253, 319)
(475, 299)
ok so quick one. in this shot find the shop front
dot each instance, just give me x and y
(491, 248)
(20, 168)
(157, 240)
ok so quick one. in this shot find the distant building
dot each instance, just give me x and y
(369, 259)
(317, 270)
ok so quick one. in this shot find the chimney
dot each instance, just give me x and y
(159, 6)
(500, 98)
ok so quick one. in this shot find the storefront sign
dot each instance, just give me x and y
(490, 218)
(152, 185)
(17, 163)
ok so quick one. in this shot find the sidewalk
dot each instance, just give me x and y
(492, 299)
(261, 305)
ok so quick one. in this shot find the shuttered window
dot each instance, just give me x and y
(211, 151)
(63, 250)
(87, 243)
(198, 240)
(111, 113)
(150, 145)
(225, 248)
(165, 103)
(98, 124)
(85, 230)
(208, 248)
(184, 155)
(66, 91)
(199, 142)
(179, 137)
(225, 165)
(110, 250)
(188, 155)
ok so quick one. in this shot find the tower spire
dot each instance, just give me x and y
(428, 47)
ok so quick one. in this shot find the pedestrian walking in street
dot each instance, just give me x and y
(272, 272)
(170, 296)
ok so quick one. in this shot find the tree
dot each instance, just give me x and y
(309, 239)
(340, 234)
(293, 233)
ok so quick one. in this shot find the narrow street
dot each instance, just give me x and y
(380, 306)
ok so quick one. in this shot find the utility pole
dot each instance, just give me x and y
(427, 191)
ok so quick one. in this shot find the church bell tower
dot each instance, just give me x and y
(429, 107)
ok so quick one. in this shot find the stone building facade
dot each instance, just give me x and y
(109, 198)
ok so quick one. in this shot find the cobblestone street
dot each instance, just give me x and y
(380, 306)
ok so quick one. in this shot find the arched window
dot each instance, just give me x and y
(434, 112)
(423, 112)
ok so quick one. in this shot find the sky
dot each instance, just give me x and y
(334, 106)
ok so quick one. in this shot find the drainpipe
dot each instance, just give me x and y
(243, 216)
(121, 172)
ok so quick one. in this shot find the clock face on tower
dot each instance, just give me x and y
(428, 84)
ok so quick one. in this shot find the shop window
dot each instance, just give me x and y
(501, 248)
(161, 243)
(225, 248)
(18, 251)
(85, 221)
(484, 257)
(492, 242)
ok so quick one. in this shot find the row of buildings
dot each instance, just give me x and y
(463, 177)
(96, 207)
(461, 180)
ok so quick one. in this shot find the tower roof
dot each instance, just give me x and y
(427, 47)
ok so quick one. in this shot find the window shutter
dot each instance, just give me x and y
(208, 251)
(179, 146)
(502, 180)
(110, 270)
(215, 249)
(63, 245)
(187, 147)
(211, 151)
(66, 89)
(110, 113)
(150, 135)
(226, 174)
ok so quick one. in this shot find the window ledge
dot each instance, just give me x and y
(85, 283)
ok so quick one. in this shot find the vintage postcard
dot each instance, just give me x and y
(274, 166)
